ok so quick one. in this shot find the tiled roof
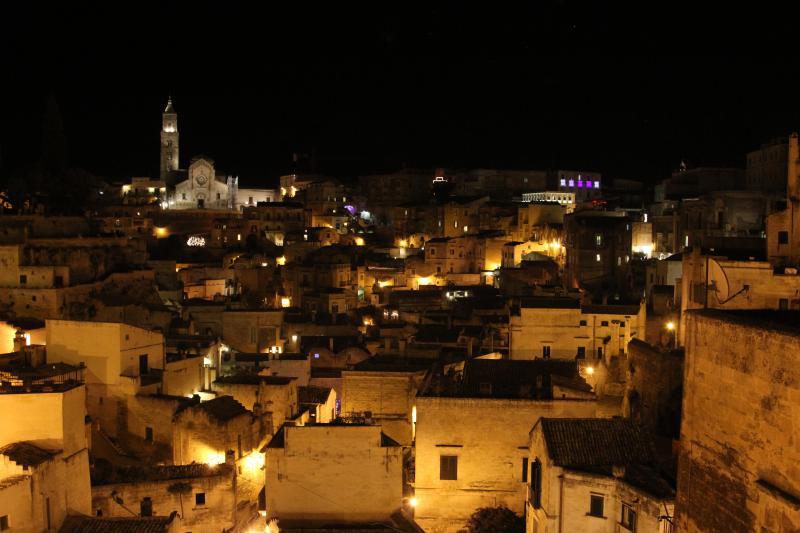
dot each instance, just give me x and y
(27, 454)
(596, 442)
(223, 408)
(89, 524)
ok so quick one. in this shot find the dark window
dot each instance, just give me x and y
(148, 434)
(448, 467)
(146, 507)
(583, 322)
(581, 352)
(143, 366)
(622, 324)
(47, 510)
(604, 323)
(59, 282)
(23, 279)
(524, 469)
(239, 445)
(3, 522)
(628, 518)
(546, 352)
(783, 304)
(536, 484)
(783, 237)
(200, 498)
(600, 353)
(596, 505)
(485, 388)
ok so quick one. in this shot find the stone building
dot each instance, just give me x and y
(44, 457)
(595, 475)
(738, 465)
(208, 431)
(767, 167)
(720, 280)
(562, 328)
(120, 361)
(204, 188)
(273, 221)
(386, 389)
(204, 496)
(276, 395)
(654, 388)
(783, 227)
(472, 434)
(598, 248)
(328, 474)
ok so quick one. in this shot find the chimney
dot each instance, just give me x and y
(618, 471)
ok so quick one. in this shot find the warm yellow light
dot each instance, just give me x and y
(126, 188)
(294, 338)
(161, 232)
(254, 461)
(293, 190)
(238, 236)
(413, 501)
(367, 321)
(414, 414)
(425, 280)
(403, 243)
(359, 241)
(214, 458)
(283, 191)
(286, 302)
(384, 283)
(670, 326)
(590, 370)
(281, 260)
(151, 189)
(263, 264)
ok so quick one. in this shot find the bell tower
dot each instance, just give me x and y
(169, 141)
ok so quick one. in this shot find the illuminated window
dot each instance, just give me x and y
(596, 184)
(598, 239)
(597, 257)
(571, 183)
(563, 182)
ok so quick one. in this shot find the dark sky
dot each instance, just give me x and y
(364, 87)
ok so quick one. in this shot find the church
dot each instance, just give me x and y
(200, 186)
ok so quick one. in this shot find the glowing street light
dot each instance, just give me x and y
(670, 326)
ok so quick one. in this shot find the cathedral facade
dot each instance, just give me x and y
(199, 187)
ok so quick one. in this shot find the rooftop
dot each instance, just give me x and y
(254, 379)
(598, 445)
(787, 322)
(27, 453)
(89, 524)
(312, 394)
(223, 408)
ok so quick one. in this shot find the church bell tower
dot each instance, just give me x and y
(169, 141)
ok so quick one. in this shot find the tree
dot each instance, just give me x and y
(494, 520)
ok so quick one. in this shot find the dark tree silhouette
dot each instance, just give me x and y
(494, 520)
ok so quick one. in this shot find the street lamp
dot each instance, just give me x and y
(671, 326)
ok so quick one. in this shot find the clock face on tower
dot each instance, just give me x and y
(201, 179)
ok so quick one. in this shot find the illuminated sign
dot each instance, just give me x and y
(196, 240)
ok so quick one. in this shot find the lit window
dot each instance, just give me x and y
(596, 184)
(598, 239)
(598, 257)
(580, 183)
(571, 183)
(563, 183)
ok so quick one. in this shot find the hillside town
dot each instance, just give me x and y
(404, 351)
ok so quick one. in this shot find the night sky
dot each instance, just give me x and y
(371, 87)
